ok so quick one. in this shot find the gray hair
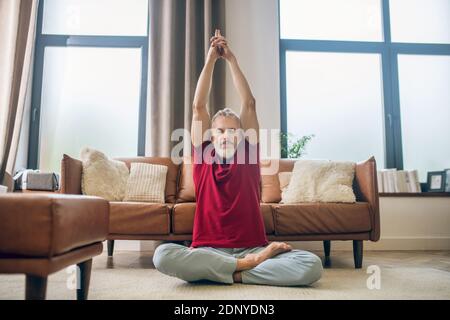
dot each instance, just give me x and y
(226, 112)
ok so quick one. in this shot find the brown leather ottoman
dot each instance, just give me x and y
(44, 233)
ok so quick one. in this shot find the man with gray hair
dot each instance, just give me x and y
(224, 149)
(229, 239)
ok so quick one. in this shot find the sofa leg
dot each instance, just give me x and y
(358, 253)
(110, 247)
(84, 277)
(326, 249)
(35, 287)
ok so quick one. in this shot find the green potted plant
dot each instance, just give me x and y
(293, 147)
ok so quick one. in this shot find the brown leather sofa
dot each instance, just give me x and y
(43, 233)
(173, 220)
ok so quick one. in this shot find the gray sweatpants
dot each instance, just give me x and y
(292, 268)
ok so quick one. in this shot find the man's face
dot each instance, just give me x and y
(226, 135)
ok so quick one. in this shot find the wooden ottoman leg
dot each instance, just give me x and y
(327, 249)
(110, 247)
(83, 277)
(35, 287)
(358, 253)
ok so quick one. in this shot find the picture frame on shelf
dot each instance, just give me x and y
(436, 181)
(447, 180)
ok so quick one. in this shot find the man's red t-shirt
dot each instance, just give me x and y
(227, 213)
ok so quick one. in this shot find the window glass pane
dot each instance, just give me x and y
(95, 17)
(426, 21)
(425, 112)
(338, 98)
(90, 97)
(331, 19)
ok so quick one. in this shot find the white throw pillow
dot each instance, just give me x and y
(284, 178)
(320, 181)
(146, 183)
(102, 176)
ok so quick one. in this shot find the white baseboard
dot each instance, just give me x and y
(410, 243)
(133, 245)
(125, 245)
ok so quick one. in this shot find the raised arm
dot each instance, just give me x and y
(200, 116)
(249, 119)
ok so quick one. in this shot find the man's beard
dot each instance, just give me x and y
(225, 153)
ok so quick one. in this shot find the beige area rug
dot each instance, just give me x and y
(131, 275)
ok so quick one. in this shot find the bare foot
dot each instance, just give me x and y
(251, 260)
(273, 249)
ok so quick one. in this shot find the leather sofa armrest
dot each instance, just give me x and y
(71, 175)
(366, 189)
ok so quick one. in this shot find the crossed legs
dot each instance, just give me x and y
(275, 264)
(251, 260)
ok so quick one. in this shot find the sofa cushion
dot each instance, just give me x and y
(183, 218)
(139, 218)
(146, 183)
(321, 218)
(186, 191)
(284, 179)
(270, 183)
(320, 181)
(266, 210)
(172, 172)
(103, 177)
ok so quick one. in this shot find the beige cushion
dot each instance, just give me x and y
(270, 183)
(284, 178)
(320, 181)
(146, 183)
(102, 176)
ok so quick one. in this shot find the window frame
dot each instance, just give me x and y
(389, 52)
(54, 40)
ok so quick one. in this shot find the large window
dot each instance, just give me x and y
(368, 77)
(425, 110)
(358, 20)
(90, 80)
(331, 96)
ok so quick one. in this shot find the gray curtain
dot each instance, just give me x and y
(17, 35)
(178, 42)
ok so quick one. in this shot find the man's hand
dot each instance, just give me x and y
(215, 47)
(218, 41)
